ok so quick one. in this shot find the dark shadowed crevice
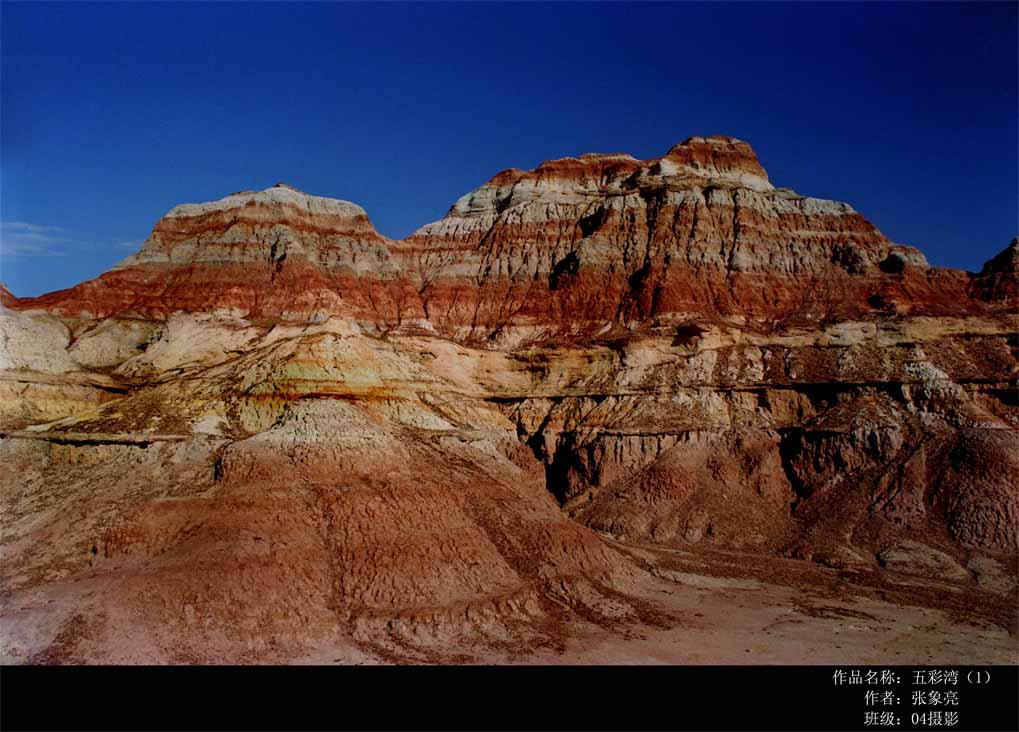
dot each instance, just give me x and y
(592, 222)
(564, 271)
(789, 449)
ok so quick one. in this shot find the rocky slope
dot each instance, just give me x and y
(273, 429)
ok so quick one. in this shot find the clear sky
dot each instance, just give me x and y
(114, 113)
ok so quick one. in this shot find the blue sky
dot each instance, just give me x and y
(114, 113)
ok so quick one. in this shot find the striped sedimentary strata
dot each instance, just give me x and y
(277, 254)
(568, 247)
(701, 231)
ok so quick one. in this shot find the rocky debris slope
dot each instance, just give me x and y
(273, 429)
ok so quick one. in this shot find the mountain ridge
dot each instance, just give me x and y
(608, 238)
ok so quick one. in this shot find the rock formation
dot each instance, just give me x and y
(273, 428)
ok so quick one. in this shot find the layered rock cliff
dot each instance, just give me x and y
(272, 425)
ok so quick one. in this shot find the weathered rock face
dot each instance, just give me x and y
(565, 248)
(273, 426)
(700, 231)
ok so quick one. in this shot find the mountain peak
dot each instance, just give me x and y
(718, 156)
(279, 194)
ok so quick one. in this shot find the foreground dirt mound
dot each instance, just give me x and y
(274, 435)
(371, 519)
